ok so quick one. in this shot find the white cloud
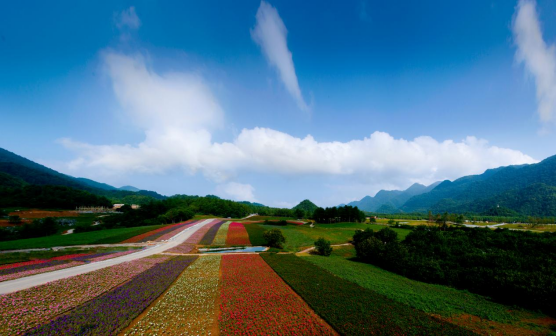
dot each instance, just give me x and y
(128, 18)
(270, 34)
(236, 191)
(539, 59)
(178, 114)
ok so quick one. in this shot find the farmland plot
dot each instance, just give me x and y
(188, 308)
(255, 301)
(23, 310)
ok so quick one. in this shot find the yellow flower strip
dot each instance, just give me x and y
(222, 234)
(188, 307)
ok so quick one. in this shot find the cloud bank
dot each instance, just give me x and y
(178, 114)
(237, 191)
(270, 34)
(539, 59)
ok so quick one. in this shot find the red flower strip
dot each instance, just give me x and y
(237, 235)
(256, 301)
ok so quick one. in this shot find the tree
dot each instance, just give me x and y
(274, 238)
(299, 213)
(14, 219)
(322, 247)
(372, 219)
(3, 213)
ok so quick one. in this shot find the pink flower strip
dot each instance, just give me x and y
(176, 231)
(39, 271)
(112, 255)
(195, 238)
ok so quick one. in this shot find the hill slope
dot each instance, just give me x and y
(391, 199)
(306, 206)
(17, 168)
(527, 189)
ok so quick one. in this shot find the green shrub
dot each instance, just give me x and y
(322, 247)
(14, 219)
(274, 238)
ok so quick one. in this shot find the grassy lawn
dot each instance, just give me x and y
(255, 232)
(96, 237)
(299, 237)
(460, 307)
(262, 218)
(429, 298)
(541, 228)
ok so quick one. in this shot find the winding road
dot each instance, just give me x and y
(39, 279)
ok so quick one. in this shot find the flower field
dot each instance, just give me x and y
(354, 310)
(112, 255)
(190, 302)
(111, 312)
(176, 230)
(189, 244)
(237, 235)
(51, 266)
(208, 238)
(256, 301)
(22, 310)
(154, 234)
(221, 235)
(23, 269)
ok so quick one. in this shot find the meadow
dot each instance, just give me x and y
(299, 237)
(109, 236)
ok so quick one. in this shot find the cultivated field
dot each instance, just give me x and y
(182, 292)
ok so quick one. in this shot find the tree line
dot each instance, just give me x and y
(346, 213)
(512, 267)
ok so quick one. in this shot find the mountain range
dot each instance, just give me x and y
(521, 189)
(17, 171)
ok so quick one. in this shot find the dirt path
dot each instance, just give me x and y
(39, 279)
(312, 248)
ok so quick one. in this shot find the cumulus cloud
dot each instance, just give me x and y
(539, 59)
(178, 114)
(237, 191)
(270, 34)
(128, 18)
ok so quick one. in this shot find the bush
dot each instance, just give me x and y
(278, 223)
(274, 238)
(14, 219)
(322, 247)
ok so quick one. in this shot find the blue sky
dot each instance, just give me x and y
(203, 97)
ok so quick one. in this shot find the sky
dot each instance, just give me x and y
(278, 101)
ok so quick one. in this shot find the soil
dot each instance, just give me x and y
(37, 213)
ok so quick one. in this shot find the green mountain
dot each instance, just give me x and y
(16, 170)
(129, 188)
(306, 206)
(95, 184)
(526, 189)
(391, 198)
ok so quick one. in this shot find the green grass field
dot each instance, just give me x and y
(96, 237)
(299, 237)
(272, 218)
(429, 298)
